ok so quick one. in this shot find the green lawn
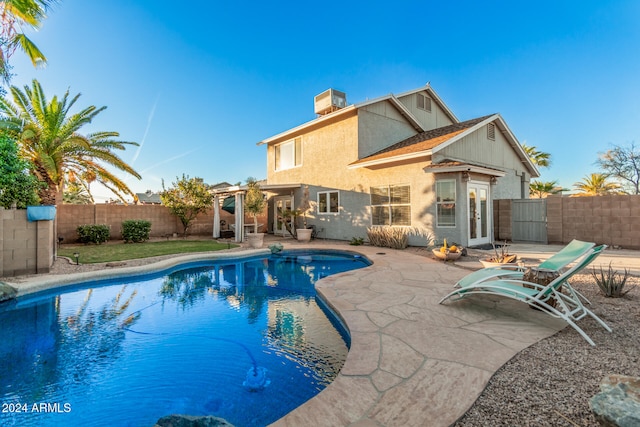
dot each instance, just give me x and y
(90, 254)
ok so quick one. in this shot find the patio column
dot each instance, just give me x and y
(239, 217)
(216, 216)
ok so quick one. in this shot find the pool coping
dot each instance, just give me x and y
(412, 361)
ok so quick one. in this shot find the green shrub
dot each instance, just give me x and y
(356, 241)
(136, 230)
(93, 233)
(611, 283)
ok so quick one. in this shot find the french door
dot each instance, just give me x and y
(479, 214)
(281, 205)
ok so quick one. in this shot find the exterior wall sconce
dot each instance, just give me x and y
(494, 180)
(465, 176)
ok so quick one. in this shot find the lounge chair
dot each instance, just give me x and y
(556, 263)
(549, 298)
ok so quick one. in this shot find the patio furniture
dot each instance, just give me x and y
(557, 262)
(567, 304)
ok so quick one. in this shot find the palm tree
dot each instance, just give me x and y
(47, 134)
(540, 190)
(539, 158)
(14, 15)
(596, 185)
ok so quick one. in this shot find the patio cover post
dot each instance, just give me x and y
(216, 216)
(239, 217)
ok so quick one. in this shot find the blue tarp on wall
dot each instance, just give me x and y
(41, 213)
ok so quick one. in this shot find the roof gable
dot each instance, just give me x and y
(419, 145)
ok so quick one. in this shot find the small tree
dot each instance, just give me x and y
(623, 163)
(254, 201)
(17, 185)
(186, 199)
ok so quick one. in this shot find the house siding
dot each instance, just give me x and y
(478, 149)
(379, 126)
(429, 120)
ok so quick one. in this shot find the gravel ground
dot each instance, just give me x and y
(549, 383)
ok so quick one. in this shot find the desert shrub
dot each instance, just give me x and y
(395, 237)
(93, 233)
(611, 282)
(136, 230)
(356, 241)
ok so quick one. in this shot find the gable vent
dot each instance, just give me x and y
(491, 131)
(423, 102)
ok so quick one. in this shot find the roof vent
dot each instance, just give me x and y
(329, 101)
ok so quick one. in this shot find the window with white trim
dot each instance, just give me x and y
(328, 202)
(288, 154)
(423, 102)
(391, 205)
(446, 203)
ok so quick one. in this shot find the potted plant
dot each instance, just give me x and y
(254, 205)
(500, 257)
(446, 253)
(304, 234)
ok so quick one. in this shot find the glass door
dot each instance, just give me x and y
(479, 213)
(281, 207)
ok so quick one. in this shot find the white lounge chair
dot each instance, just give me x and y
(567, 303)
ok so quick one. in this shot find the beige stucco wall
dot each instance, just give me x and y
(326, 155)
(26, 247)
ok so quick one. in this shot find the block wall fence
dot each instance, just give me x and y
(163, 223)
(610, 220)
(26, 247)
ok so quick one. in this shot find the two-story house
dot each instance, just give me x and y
(402, 160)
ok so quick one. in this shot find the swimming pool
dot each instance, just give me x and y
(244, 339)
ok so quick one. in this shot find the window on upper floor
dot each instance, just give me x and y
(491, 131)
(446, 203)
(423, 102)
(288, 154)
(391, 205)
(328, 202)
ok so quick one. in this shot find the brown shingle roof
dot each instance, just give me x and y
(423, 141)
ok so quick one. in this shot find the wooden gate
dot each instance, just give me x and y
(529, 220)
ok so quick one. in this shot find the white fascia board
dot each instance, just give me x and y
(393, 159)
(518, 147)
(303, 126)
(465, 168)
(435, 96)
(465, 133)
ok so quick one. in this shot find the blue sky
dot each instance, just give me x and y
(198, 86)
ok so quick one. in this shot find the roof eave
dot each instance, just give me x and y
(392, 159)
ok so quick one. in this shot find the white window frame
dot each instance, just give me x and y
(327, 194)
(294, 157)
(455, 203)
(390, 205)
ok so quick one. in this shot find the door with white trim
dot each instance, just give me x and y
(281, 204)
(479, 213)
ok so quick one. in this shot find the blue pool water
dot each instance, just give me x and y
(245, 340)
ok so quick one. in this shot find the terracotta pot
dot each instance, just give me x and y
(486, 263)
(446, 256)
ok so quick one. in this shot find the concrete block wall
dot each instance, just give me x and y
(163, 223)
(610, 220)
(26, 247)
